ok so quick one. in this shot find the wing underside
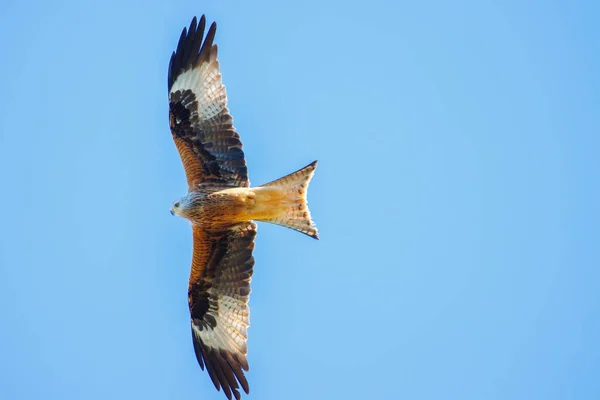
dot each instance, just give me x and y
(201, 124)
(219, 291)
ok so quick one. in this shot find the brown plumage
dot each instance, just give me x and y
(221, 207)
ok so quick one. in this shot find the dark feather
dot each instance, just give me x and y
(179, 54)
(237, 370)
(187, 47)
(210, 368)
(208, 44)
(226, 370)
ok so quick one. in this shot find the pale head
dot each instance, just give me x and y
(188, 205)
(181, 206)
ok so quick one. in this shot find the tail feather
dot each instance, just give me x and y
(294, 213)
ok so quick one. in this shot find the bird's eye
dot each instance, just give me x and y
(176, 205)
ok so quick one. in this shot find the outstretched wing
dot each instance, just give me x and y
(218, 294)
(202, 128)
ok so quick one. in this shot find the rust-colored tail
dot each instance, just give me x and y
(293, 211)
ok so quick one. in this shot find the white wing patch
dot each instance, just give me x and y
(206, 84)
(232, 323)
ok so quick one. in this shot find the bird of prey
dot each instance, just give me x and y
(222, 207)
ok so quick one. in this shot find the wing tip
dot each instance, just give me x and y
(225, 370)
(191, 48)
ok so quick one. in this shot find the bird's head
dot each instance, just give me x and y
(180, 207)
(175, 208)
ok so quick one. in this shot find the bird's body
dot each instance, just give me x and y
(282, 202)
(214, 209)
(221, 208)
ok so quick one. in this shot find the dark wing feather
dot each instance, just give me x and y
(218, 294)
(202, 127)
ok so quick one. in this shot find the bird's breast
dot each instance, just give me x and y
(223, 207)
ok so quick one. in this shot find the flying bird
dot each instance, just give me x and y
(222, 207)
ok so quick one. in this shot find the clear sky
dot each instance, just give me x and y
(457, 198)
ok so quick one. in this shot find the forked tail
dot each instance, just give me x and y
(289, 198)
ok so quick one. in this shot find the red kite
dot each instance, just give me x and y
(221, 207)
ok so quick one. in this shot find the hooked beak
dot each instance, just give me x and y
(172, 213)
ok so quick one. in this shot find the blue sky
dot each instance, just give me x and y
(457, 198)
